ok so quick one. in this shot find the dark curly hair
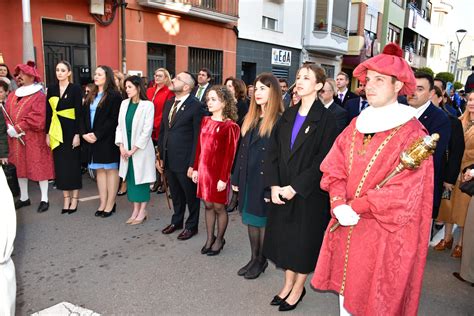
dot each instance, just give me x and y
(225, 96)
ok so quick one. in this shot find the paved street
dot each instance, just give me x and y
(112, 268)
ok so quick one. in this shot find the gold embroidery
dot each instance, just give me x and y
(365, 144)
(357, 194)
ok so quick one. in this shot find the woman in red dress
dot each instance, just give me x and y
(159, 93)
(214, 157)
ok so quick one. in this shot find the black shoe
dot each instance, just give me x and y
(284, 307)
(43, 207)
(256, 269)
(245, 268)
(108, 214)
(278, 300)
(218, 251)
(99, 213)
(71, 211)
(205, 250)
(65, 211)
(19, 203)
(120, 193)
(160, 190)
(234, 202)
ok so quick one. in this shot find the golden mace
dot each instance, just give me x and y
(410, 159)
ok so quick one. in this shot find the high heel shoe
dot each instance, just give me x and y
(139, 221)
(284, 307)
(216, 252)
(457, 252)
(234, 202)
(66, 210)
(99, 213)
(130, 220)
(205, 250)
(444, 244)
(278, 300)
(109, 213)
(71, 211)
(256, 269)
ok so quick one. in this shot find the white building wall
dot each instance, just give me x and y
(290, 13)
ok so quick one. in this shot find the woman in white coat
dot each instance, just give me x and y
(7, 236)
(137, 155)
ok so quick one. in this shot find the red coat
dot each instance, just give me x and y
(163, 95)
(387, 249)
(214, 158)
(33, 161)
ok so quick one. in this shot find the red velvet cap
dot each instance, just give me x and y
(29, 68)
(391, 63)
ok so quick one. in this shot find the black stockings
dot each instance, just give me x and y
(215, 212)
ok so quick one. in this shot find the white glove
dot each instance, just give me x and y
(346, 215)
(12, 132)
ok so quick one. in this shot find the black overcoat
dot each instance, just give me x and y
(105, 122)
(249, 172)
(295, 230)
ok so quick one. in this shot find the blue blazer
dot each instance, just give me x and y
(436, 120)
(352, 107)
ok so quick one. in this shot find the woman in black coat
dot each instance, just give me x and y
(100, 121)
(63, 120)
(248, 177)
(299, 212)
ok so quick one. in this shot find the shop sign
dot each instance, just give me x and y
(281, 57)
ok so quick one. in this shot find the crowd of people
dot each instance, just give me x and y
(303, 164)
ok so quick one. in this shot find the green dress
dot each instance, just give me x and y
(135, 192)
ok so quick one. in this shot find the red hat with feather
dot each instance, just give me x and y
(29, 68)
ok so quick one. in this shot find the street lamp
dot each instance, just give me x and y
(460, 32)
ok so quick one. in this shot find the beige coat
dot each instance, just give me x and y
(142, 126)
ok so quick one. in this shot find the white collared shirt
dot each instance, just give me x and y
(422, 109)
(343, 93)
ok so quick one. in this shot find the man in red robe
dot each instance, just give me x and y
(375, 259)
(29, 152)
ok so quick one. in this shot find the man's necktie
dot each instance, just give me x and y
(173, 111)
(199, 94)
(363, 105)
(341, 97)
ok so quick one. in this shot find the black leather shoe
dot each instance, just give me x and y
(284, 307)
(65, 211)
(278, 300)
(73, 210)
(109, 213)
(245, 268)
(205, 250)
(99, 213)
(19, 203)
(234, 202)
(187, 233)
(256, 269)
(218, 251)
(43, 207)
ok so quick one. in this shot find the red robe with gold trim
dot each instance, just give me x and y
(34, 160)
(387, 248)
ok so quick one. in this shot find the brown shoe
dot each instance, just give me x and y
(170, 229)
(443, 245)
(457, 252)
(187, 233)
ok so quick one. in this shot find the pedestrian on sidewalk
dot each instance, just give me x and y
(248, 178)
(215, 154)
(137, 154)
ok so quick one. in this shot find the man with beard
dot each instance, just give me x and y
(28, 150)
(356, 105)
(178, 137)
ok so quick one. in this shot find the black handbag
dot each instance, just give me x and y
(12, 180)
(468, 186)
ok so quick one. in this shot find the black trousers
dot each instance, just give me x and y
(183, 191)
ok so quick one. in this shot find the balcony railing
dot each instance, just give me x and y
(338, 30)
(217, 10)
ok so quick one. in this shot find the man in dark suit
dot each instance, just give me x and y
(357, 105)
(204, 78)
(435, 121)
(326, 95)
(179, 133)
(285, 93)
(343, 94)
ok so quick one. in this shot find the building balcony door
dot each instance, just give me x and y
(70, 42)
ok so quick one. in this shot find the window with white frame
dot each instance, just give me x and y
(272, 17)
(269, 23)
(371, 19)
